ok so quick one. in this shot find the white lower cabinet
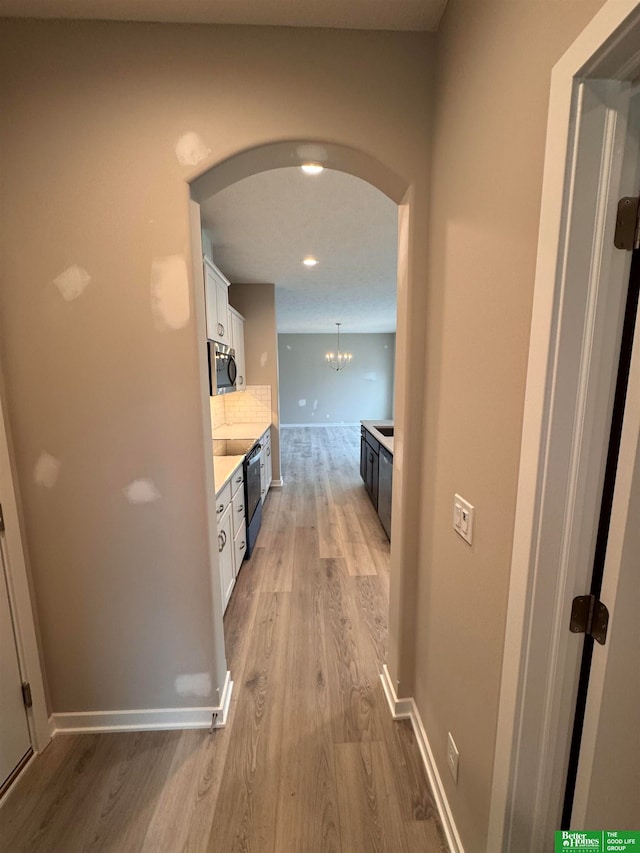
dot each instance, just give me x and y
(266, 468)
(239, 527)
(226, 557)
(232, 537)
(268, 464)
(240, 546)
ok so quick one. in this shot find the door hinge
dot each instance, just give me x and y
(26, 694)
(627, 233)
(1, 520)
(589, 616)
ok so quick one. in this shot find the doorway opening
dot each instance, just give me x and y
(23, 712)
(354, 165)
(305, 627)
(623, 400)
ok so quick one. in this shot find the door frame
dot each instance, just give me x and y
(577, 311)
(621, 524)
(22, 607)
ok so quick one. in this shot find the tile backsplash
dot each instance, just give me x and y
(217, 411)
(242, 407)
(249, 406)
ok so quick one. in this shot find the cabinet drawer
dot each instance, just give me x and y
(223, 499)
(238, 511)
(240, 546)
(237, 481)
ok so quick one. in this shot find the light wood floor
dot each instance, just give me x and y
(310, 761)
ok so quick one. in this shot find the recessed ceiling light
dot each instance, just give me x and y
(312, 168)
(310, 262)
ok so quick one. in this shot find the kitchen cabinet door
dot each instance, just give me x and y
(222, 307)
(385, 479)
(371, 481)
(363, 456)
(266, 468)
(211, 309)
(216, 298)
(237, 511)
(240, 547)
(236, 322)
(268, 463)
(226, 555)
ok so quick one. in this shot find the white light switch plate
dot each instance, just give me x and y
(463, 518)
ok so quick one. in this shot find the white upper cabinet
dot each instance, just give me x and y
(216, 295)
(236, 323)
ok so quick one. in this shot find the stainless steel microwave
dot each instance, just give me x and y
(222, 368)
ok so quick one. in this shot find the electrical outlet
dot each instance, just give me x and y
(463, 518)
(453, 756)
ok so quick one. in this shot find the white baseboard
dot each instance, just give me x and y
(320, 426)
(14, 784)
(277, 484)
(160, 719)
(400, 708)
(225, 701)
(403, 709)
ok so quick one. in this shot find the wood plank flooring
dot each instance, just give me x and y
(310, 761)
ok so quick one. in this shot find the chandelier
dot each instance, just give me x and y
(339, 360)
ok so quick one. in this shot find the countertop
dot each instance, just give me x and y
(385, 441)
(223, 468)
(253, 430)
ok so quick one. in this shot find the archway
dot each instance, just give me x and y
(360, 164)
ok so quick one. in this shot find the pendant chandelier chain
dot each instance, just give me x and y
(339, 360)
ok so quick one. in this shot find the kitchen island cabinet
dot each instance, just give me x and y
(376, 467)
(372, 449)
(385, 479)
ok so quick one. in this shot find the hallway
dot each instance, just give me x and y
(311, 760)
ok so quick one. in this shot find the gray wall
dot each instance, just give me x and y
(494, 63)
(312, 393)
(257, 304)
(103, 126)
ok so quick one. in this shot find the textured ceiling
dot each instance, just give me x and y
(263, 226)
(422, 15)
